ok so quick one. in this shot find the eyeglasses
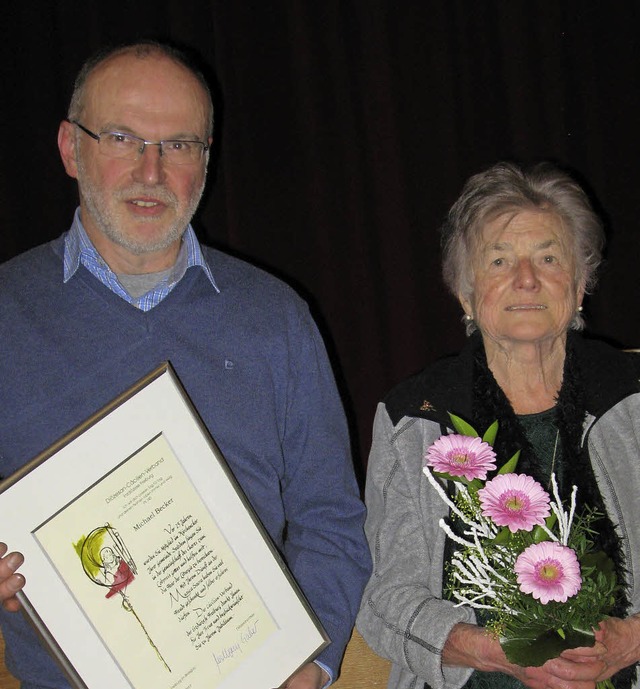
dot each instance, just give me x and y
(130, 147)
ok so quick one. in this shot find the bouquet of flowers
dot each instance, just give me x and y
(522, 557)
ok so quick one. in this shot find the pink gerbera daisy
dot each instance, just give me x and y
(461, 455)
(516, 501)
(548, 571)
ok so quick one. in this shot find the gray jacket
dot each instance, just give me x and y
(403, 616)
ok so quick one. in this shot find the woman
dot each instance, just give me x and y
(520, 251)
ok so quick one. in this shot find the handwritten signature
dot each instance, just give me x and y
(235, 649)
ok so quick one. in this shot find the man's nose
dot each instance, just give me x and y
(149, 168)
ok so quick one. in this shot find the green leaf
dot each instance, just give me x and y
(475, 485)
(600, 561)
(450, 477)
(490, 434)
(532, 648)
(539, 535)
(510, 466)
(605, 684)
(503, 536)
(462, 427)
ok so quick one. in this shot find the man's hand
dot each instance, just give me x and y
(10, 582)
(309, 676)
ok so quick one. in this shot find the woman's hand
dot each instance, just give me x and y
(578, 668)
(622, 641)
(471, 646)
(10, 582)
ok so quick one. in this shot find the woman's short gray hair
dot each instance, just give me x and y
(506, 187)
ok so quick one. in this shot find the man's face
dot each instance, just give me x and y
(135, 211)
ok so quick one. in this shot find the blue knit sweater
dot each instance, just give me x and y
(254, 365)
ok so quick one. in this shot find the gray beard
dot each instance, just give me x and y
(107, 223)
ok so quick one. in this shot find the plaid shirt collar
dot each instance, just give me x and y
(78, 249)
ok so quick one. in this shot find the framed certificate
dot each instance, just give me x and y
(146, 566)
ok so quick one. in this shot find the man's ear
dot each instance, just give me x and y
(67, 148)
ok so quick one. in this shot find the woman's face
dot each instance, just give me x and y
(524, 288)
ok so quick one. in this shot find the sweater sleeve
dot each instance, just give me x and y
(402, 616)
(325, 546)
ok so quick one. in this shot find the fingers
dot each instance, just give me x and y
(587, 669)
(310, 676)
(10, 581)
(585, 654)
(539, 678)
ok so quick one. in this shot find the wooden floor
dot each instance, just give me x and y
(7, 681)
(361, 669)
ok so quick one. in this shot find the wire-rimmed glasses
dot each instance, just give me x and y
(130, 147)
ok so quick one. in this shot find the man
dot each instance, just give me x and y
(85, 316)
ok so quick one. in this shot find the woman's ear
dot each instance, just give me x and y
(467, 307)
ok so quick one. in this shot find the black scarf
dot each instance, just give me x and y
(490, 403)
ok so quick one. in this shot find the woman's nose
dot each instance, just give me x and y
(526, 276)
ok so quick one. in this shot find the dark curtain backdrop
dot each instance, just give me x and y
(346, 128)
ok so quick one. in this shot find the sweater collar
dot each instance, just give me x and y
(78, 249)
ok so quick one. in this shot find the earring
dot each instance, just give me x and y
(468, 318)
(580, 309)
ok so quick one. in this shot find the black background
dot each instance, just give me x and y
(345, 129)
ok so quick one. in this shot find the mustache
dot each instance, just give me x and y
(158, 193)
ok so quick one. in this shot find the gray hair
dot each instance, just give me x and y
(506, 187)
(141, 50)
